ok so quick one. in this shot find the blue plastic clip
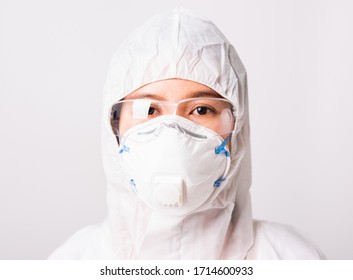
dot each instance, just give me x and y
(124, 149)
(132, 183)
(221, 148)
(218, 182)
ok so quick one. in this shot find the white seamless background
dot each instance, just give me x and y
(54, 56)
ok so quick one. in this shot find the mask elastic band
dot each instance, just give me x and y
(132, 183)
(124, 149)
(221, 148)
(217, 183)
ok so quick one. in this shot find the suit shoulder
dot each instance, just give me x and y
(278, 241)
(87, 243)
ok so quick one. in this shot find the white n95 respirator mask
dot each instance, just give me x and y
(174, 164)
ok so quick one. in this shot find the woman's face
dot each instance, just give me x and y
(174, 90)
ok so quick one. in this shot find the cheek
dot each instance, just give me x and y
(125, 122)
(122, 127)
(220, 128)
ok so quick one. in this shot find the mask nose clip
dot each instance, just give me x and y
(172, 125)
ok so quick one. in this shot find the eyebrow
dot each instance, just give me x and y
(206, 94)
(147, 95)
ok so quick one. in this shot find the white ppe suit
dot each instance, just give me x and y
(181, 45)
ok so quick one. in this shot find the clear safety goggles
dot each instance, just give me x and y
(216, 114)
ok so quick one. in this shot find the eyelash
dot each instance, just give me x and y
(153, 109)
(208, 110)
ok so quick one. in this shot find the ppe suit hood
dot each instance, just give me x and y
(179, 45)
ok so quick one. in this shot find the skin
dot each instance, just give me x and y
(172, 90)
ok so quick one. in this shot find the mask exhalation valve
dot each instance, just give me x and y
(169, 191)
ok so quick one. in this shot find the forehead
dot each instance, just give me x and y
(173, 90)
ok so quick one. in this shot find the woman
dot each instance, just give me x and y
(176, 153)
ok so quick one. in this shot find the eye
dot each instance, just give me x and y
(152, 111)
(202, 110)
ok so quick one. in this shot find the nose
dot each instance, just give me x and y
(171, 109)
(169, 125)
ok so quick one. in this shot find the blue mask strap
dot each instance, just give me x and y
(221, 148)
(218, 182)
(124, 149)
